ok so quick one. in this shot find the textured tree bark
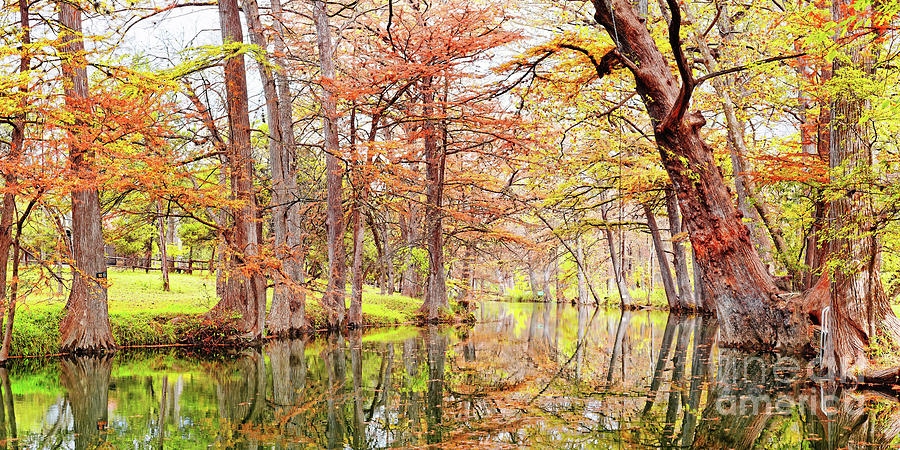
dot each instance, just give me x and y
(85, 326)
(244, 293)
(679, 257)
(333, 300)
(625, 300)
(744, 294)
(435, 157)
(665, 273)
(294, 261)
(750, 204)
(288, 311)
(860, 310)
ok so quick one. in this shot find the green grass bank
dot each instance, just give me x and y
(141, 313)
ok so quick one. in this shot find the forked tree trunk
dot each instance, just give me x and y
(743, 292)
(333, 301)
(860, 310)
(85, 326)
(244, 289)
(288, 311)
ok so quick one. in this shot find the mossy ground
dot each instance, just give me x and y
(141, 313)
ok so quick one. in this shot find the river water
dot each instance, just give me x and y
(527, 375)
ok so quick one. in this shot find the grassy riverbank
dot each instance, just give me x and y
(141, 313)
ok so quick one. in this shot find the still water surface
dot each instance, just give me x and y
(527, 375)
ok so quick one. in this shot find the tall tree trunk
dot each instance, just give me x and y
(287, 314)
(625, 300)
(244, 289)
(435, 157)
(333, 301)
(675, 302)
(7, 218)
(164, 268)
(294, 261)
(860, 310)
(360, 197)
(85, 326)
(744, 294)
(355, 316)
(409, 225)
(388, 255)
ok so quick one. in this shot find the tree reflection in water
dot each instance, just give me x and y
(538, 375)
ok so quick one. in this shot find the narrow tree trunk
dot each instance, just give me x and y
(333, 301)
(533, 283)
(355, 318)
(244, 288)
(744, 294)
(545, 281)
(675, 302)
(163, 254)
(625, 300)
(408, 223)
(85, 326)
(581, 266)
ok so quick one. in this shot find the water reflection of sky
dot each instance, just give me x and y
(530, 375)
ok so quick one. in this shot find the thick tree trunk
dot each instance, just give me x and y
(744, 294)
(85, 326)
(625, 300)
(244, 288)
(435, 157)
(860, 310)
(675, 302)
(333, 300)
